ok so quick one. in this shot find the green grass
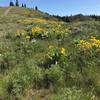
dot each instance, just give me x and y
(47, 65)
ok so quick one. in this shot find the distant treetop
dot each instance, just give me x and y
(11, 3)
(36, 8)
(17, 3)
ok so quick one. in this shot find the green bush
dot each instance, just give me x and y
(7, 60)
(72, 94)
(36, 76)
(17, 82)
(53, 77)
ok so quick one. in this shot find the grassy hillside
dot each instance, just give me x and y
(12, 18)
(42, 58)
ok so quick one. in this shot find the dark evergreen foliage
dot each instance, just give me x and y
(11, 3)
(78, 17)
(17, 3)
(25, 5)
(36, 8)
(22, 5)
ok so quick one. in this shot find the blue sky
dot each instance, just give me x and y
(62, 7)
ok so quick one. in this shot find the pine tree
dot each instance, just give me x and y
(22, 5)
(36, 8)
(25, 5)
(11, 3)
(17, 3)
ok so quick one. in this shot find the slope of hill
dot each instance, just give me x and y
(10, 16)
(42, 58)
(22, 11)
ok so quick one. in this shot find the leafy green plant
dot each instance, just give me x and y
(72, 94)
(53, 77)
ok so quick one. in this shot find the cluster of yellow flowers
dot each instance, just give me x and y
(50, 46)
(32, 20)
(20, 32)
(44, 31)
(59, 28)
(36, 29)
(28, 37)
(61, 50)
(39, 20)
(95, 41)
(41, 31)
(89, 44)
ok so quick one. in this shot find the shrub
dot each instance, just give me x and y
(53, 77)
(36, 76)
(7, 60)
(72, 94)
(55, 56)
(17, 82)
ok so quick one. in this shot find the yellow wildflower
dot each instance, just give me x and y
(62, 51)
(28, 37)
(36, 29)
(89, 44)
(22, 34)
(50, 47)
(82, 41)
(93, 37)
(18, 34)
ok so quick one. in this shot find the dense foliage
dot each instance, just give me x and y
(78, 17)
(50, 60)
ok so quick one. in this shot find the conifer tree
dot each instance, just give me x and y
(36, 8)
(11, 3)
(25, 5)
(17, 3)
(22, 5)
